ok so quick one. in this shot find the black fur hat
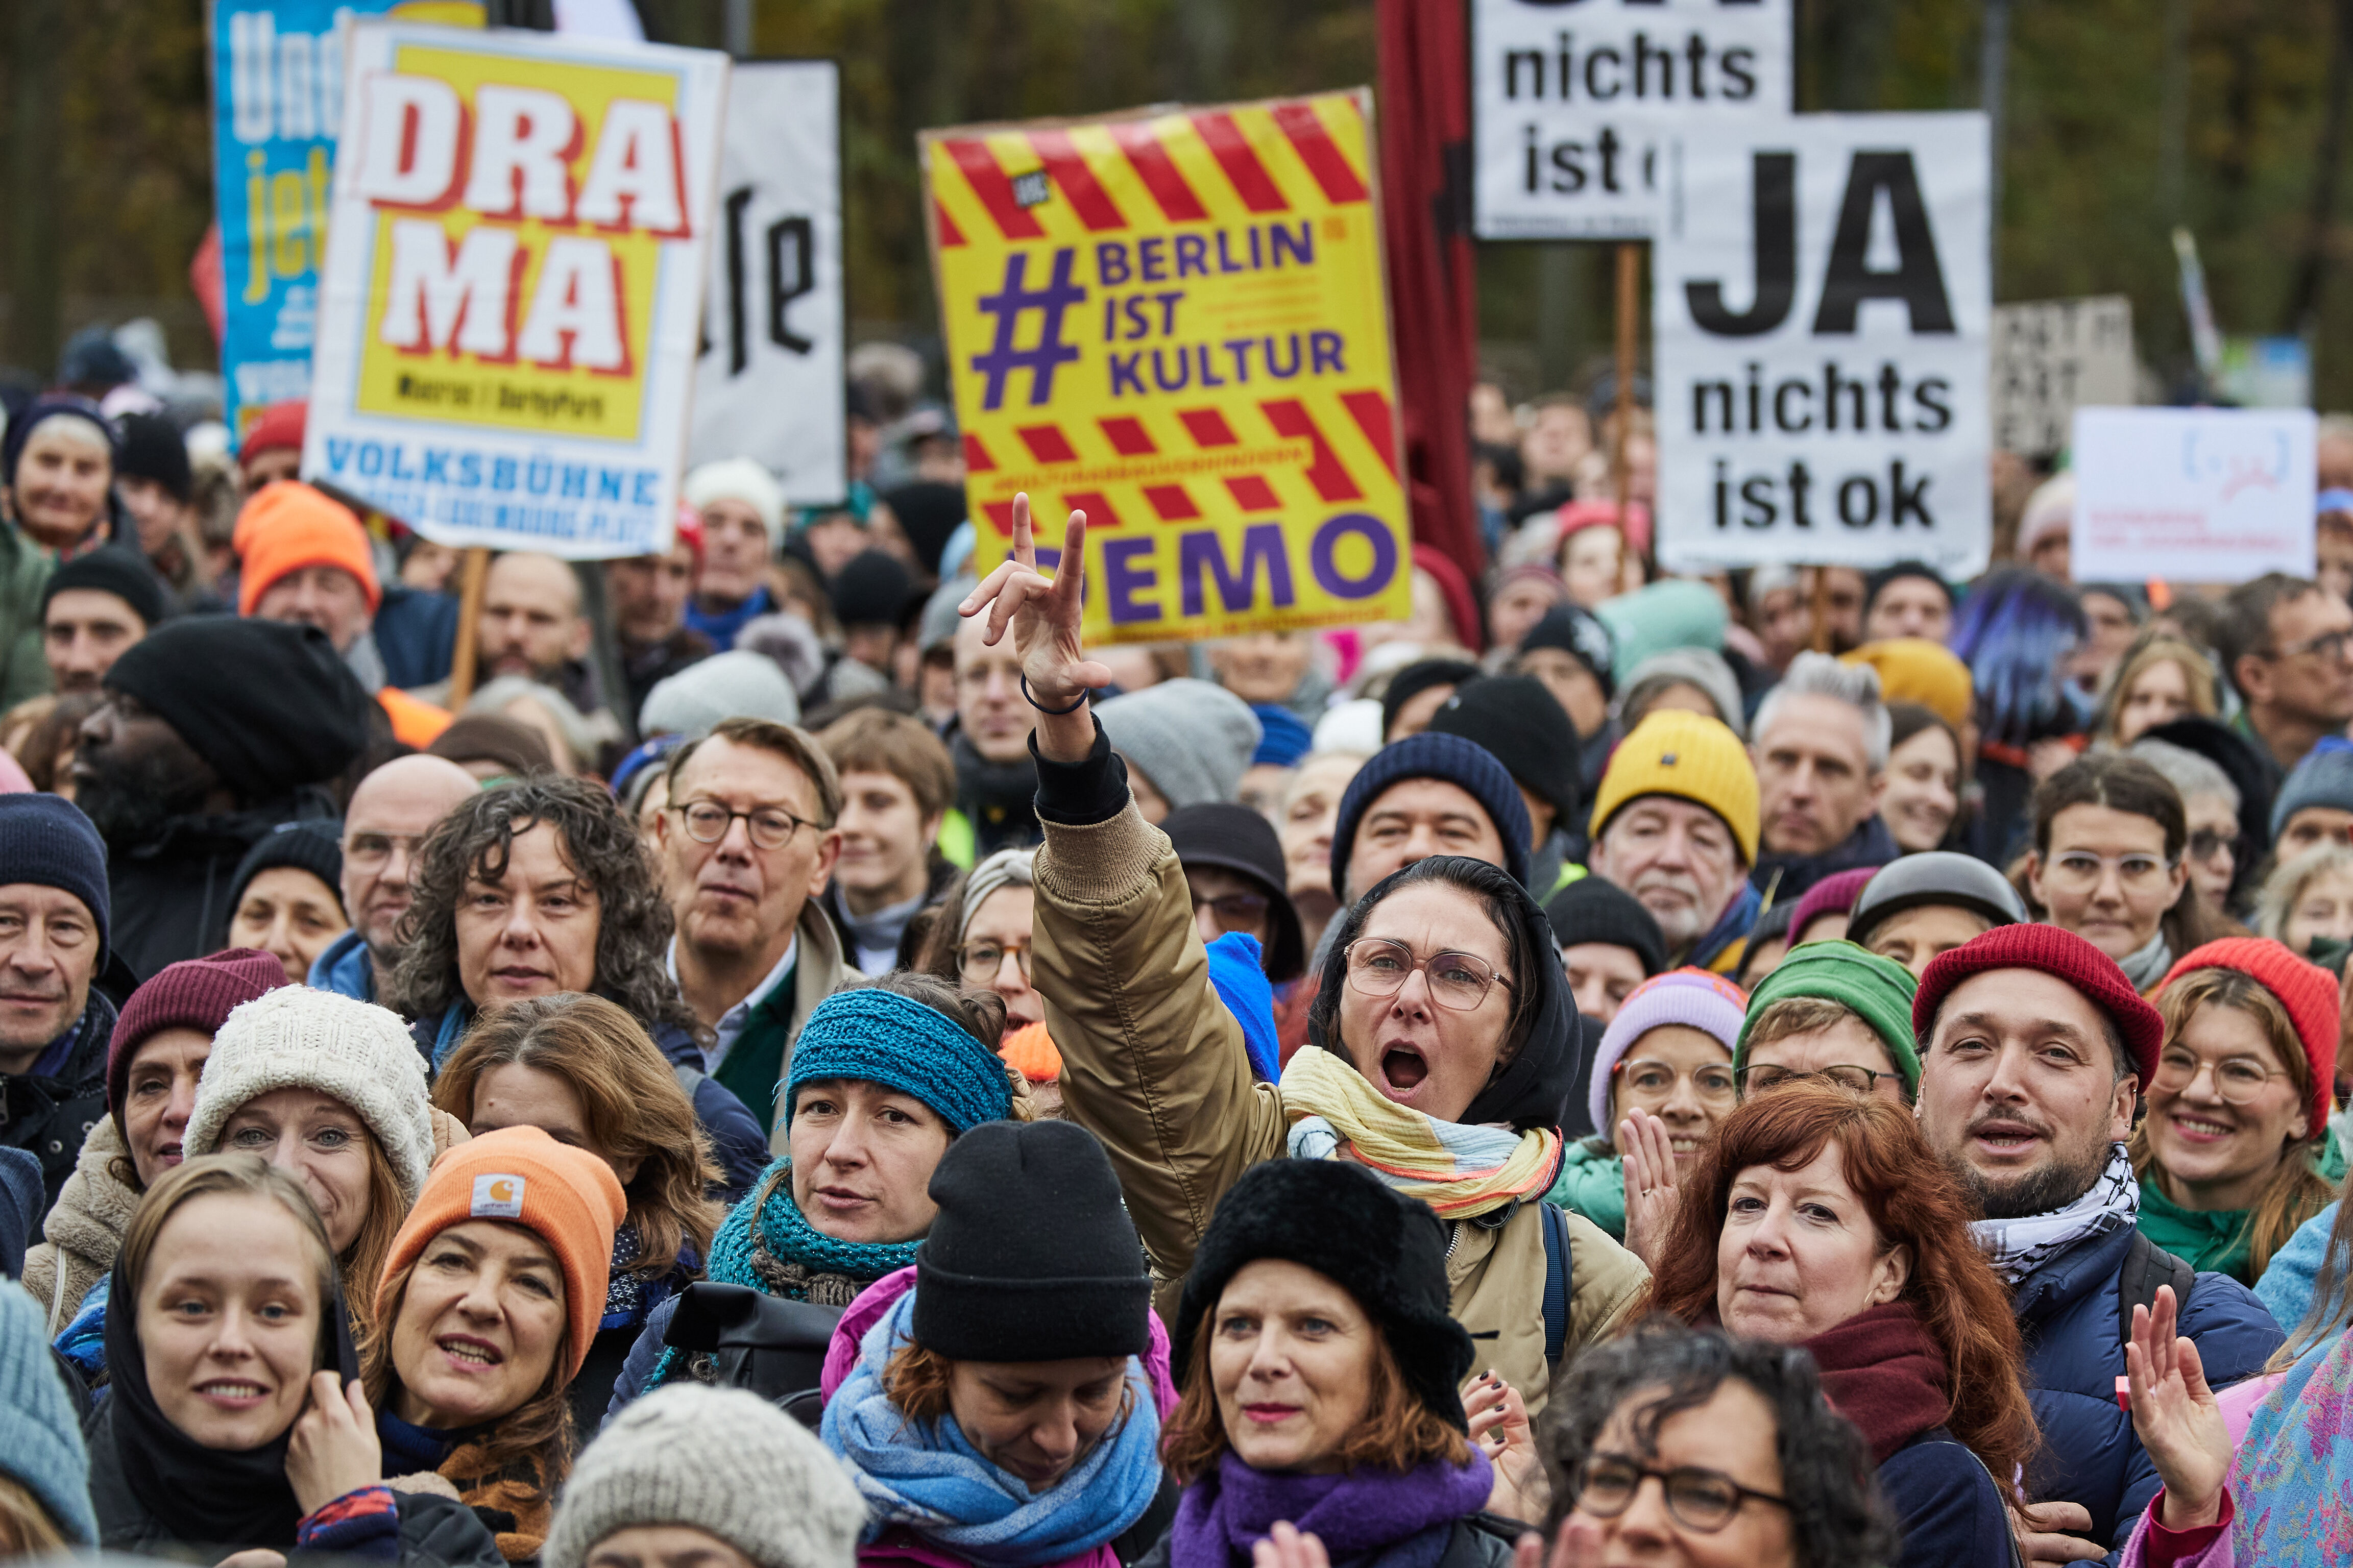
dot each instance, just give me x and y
(1386, 1250)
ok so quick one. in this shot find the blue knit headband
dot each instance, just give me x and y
(886, 1038)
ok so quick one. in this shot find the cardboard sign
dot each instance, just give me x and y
(1573, 101)
(1177, 322)
(508, 326)
(278, 108)
(2052, 357)
(1821, 300)
(769, 384)
(2192, 495)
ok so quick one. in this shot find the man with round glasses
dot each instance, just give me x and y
(746, 845)
(1831, 1011)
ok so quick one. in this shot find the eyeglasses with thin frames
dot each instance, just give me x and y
(1458, 980)
(2238, 1080)
(1759, 1077)
(2328, 645)
(2079, 870)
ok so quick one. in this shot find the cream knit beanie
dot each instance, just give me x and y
(720, 1460)
(295, 1037)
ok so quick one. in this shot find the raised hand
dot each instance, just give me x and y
(1043, 612)
(1286, 1546)
(1500, 1429)
(1650, 1196)
(2175, 1415)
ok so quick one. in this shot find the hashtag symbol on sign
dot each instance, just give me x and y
(1009, 305)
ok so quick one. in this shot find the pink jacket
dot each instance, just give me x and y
(903, 1546)
(2237, 1403)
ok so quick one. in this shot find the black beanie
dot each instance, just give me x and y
(1238, 838)
(313, 847)
(121, 573)
(1418, 678)
(1577, 632)
(872, 589)
(153, 449)
(1593, 910)
(928, 512)
(270, 705)
(1517, 718)
(1032, 1257)
(1385, 1250)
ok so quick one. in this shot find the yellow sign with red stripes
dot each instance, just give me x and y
(1177, 323)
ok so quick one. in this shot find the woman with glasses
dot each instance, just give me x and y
(1442, 1040)
(1705, 1451)
(542, 888)
(1820, 1220)
(2110, 834)
(981, 938)
(2235, 1152)
(1318, 1368)
(1665, 1062)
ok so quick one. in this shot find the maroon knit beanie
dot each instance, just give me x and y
(2306, 990)
(2056, 953)
(1833, 895)
(194, 994)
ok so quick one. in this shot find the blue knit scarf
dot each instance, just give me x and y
(788, 1256)
(932, 1480)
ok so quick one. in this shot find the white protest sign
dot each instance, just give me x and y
(769, 384)
(2052, 357)
(515, 265)
(1571, 102)
(1821, 295)
(2192, 495)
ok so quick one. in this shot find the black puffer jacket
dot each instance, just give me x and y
(48, 1116)
(171, 895)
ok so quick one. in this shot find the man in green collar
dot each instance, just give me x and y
(747, 843)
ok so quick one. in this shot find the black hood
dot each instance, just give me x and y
(1536, 1088)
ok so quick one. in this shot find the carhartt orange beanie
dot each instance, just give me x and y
(287, 526)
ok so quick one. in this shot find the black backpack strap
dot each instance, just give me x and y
(2147, 1265)
(1557, 1261)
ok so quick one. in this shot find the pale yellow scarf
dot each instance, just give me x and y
(1459, 1168)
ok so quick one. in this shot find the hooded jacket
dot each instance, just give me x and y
(171, 893)
(83, 1230)
(2067, 1317)
(1156, 1067)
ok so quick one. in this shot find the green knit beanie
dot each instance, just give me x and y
(1878, 990)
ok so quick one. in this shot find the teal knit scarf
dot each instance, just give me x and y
(785, 1255)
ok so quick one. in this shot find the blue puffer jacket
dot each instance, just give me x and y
(2067, 1315)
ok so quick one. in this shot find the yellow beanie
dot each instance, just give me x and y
(1914, 669)
(1692, 757)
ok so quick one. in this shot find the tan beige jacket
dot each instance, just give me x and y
(84, 1231)
(1153, 1065)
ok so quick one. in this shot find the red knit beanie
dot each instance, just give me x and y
(194, 994)
(2304, 989)
(2056, 953)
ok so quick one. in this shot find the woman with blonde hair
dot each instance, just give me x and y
(331, 1090)
(2159, 678)
(588, 1075)
(2308, 899)
(2234, 1154)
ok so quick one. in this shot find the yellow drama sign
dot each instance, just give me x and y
(513, 282)
(1177, 323)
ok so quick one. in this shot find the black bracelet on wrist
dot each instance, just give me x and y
(1042, 708)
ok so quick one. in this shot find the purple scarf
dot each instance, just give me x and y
(1358, 1515)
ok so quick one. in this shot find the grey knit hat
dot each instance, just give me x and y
(1193, 739)
(295, 1037)
(1694, 665)
(719, 1460)
(2325, 777)
(737, 684)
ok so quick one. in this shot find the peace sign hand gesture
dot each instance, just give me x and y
(1044, 614)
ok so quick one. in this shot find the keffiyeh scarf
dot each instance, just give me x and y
(2017, 1247)
(1459, 1168)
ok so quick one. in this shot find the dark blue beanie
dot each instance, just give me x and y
(1430, 756)
(49, 843)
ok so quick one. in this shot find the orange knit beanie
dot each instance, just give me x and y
(287, 526)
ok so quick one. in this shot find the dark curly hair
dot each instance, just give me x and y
(1837, 1516)
(601, 844)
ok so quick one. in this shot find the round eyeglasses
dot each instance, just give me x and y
(1458, 980)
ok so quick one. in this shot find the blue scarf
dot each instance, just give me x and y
(788, 1256)
(932, 1480)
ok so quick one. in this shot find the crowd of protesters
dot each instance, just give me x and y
(780, 1053)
